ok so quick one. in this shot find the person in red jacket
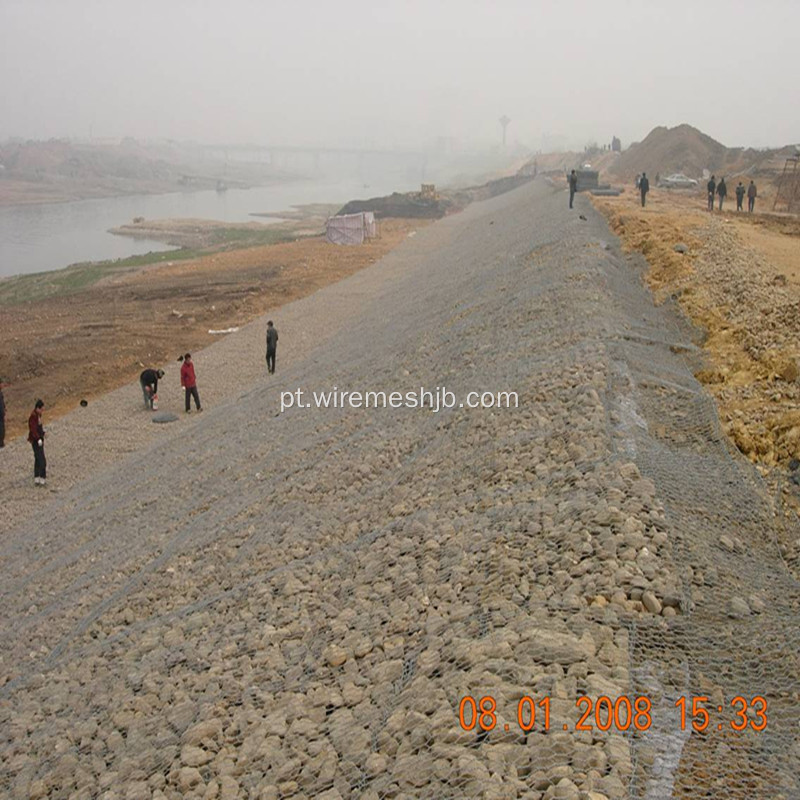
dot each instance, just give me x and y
(36, 438)
(189, 383)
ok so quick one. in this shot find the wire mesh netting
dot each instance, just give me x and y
(528, 602)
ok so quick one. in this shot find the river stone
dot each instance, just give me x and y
(553, 647)
(188, 778)
(738, 608)
(651, 602)
(208, 729)
(566, 790)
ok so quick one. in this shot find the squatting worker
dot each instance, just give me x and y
(573, 186)
(722, 191)
(149, 383)
(272, 346)
(711, 186)
(2, 415)
(189, 383)
(644, 187)
(752, 193)
(36, 438)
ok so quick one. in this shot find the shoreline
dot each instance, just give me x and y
(121, 316)
(128, 318)
(21, 192)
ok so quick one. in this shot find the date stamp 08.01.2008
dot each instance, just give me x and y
(620, 714)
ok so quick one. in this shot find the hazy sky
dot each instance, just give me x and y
(388, 73)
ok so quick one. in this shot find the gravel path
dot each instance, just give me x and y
(246, 604)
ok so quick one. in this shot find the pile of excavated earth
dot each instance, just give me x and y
(687, 150)
(255, 604)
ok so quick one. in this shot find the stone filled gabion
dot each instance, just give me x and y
(295, 605)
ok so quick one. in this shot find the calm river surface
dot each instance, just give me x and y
(38, 238)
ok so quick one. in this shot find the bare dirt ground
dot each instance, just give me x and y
(64, 349)
(740, 282)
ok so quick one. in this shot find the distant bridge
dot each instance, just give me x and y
(308, 158)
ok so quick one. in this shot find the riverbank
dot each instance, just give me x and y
(60, 170)
(87, 330)
(199, 234)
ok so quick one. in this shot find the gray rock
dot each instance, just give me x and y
(738, 608)
(651, 602)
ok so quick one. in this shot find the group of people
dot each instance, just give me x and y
(714, 190)
(148, 381)
(720, 190)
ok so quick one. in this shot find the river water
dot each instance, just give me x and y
(43, 237)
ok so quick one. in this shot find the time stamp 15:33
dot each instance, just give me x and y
(622, 714)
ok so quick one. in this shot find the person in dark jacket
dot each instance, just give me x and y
(722, 191)
(739, 196)
(272, 346)
(711, 186)
(573, 186)
(149, 383)
(644, 186)
(189, 383)
(36, 438)
(752, 193)
(2, 415)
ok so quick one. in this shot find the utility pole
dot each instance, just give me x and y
(504, 120)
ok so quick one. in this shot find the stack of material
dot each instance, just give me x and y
(345, 229)
(351, 228)
(587, 179)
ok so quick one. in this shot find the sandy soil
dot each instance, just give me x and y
(66, 349)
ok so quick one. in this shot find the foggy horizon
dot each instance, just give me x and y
(397, 76)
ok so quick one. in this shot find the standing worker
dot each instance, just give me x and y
(272, 346)
(189, 383)
(2, 415)
(36, 438)
(712, 188)
(149, 383)
(573, 186)
(739, 196)
(644, 187)
(722, 191)
(752, 193)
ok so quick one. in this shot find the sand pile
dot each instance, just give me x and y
(683, 149)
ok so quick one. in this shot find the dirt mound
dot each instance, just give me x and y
(410, 205)
(413, 205)
(683, 149)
